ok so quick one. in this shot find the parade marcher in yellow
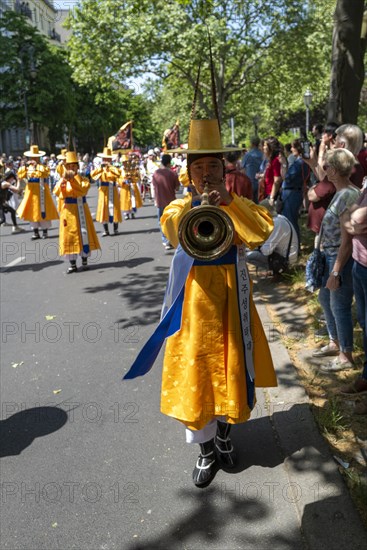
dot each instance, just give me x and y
(37, 205)
(60, 170)
(130, 198)
(216, 351)
(108, 208)
(77, 233)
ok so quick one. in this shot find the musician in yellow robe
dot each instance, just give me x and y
(108, 208)
(77, 233)
(60, 170)
(37, 205)
(216, 351)
(130, 198)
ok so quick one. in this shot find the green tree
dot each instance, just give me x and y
(266, 53)
(34, 75)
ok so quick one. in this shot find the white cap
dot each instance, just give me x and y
(150, 152)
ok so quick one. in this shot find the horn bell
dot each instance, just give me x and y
(206, 233)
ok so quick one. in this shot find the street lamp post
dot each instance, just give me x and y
(307, 98)
(27, 132)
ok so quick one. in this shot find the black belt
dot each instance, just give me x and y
(291, 189)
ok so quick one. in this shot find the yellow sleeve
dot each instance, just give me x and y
(22, 172)
(252, 223)
(83, 183)
(60, 169)
(44, 171)
(115, 171)
(57, 189)
(183, 177)
(95, 174)
(172, 216)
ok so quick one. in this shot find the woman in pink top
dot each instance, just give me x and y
(273, 178)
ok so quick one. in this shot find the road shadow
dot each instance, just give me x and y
(144, 296)
(20, 430)
(216, 510)
(210, 523)
(30, 267)
(129, 264)
(151, 230)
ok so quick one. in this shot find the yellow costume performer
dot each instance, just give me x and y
(130, 194)
(77, 233)
(216, 351)
(60, 171)
(37, 205)
(108, 208)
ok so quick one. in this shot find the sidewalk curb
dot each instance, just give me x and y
(327, 514)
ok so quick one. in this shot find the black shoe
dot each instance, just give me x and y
(85, 264)
(72, 269)
(223, 446)
(105, 234)
(206, 465)
(44, 235)
(35, 236)
(133, 216)
(126, 216)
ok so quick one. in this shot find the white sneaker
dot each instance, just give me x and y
(17, 229)
(337, 365)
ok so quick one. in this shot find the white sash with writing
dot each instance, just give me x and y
(110, 201)
(243, 281)
(42, 198)
(83, 224)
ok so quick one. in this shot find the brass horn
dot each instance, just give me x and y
(206, 232)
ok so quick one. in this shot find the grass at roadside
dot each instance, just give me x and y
(345, 432)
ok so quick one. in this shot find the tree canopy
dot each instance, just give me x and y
(266, 53)
(35, 68)
(38, 75)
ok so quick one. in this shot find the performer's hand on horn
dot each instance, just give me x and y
(69, 175)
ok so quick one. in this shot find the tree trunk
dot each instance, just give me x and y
(347, 66)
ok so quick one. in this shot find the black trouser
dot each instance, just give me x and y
(4, 208)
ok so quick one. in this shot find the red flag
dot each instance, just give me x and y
(171, 138)
(123, 140)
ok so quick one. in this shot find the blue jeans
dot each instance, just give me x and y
(337, 305)
(160, 212)
(255, 191)
(292, 202)
(360, 293)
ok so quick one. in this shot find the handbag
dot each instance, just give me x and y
(315, 269)
(315, 266)
(316, 262)
(277, 263)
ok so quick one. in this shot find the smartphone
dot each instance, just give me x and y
(306, 149)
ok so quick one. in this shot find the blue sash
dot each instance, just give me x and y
(71, 200)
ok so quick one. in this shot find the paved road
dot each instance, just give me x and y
(90, 463)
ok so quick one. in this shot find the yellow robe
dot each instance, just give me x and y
(112, 174)
(204, 366)
(125, 194)
(60, 169)
(70, 234)
(30, 207)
